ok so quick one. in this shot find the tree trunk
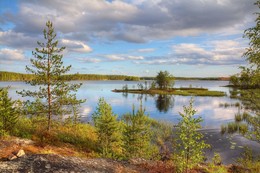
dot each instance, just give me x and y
(49, 90)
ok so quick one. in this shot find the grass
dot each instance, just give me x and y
(81, 137)
(176, 91)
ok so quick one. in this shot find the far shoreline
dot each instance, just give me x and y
(22, 77)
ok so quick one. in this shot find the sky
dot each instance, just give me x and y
(188, 38)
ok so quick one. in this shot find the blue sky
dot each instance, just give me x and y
(190, 38)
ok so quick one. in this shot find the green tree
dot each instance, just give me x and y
(248, 84)
(48, 70)
(108, 130)
(189, 151)
(164, 80)
(253, 34)
(137, 134)
(250, 76)
(8, 112)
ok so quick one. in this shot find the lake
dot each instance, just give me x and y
(165, 108)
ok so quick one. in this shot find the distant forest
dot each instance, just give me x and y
(12, 76)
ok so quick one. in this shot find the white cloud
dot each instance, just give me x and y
(147, 50)
(76, 46)
(109, 58)
(89, 60)
(8, 56)
(224, 52)
(17, 40)
(133, 21)
(134, 57)
(122, 57)
(114, 57)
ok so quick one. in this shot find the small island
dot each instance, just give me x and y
(175, 91)
(163, 85)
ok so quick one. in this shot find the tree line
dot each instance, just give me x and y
(12, 76)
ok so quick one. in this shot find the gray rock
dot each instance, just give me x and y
(47, 166)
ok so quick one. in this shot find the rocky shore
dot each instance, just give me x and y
(24, 156)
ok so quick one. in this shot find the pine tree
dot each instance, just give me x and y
(108, 130)
(8, 112)
(137, 134)
(47, 67)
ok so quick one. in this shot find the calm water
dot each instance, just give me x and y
(164, 108)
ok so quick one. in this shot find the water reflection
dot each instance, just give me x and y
(164, 103)
(125, 94)
(142, 97)
(159, 107)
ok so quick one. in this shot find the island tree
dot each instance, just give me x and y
(164, 80)
(53, 96)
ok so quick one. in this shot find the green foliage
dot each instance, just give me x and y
(249, 162)
(249, 77)
(82, 136)
(246, 79)
(216, 165)
(137, 134)
(216, 159)
(217, 169)
(8, 113)
(132, 78)
(164, 80)
(248, 82)
(253, 34)
(153, 85)
(11, 76)
(234, 127)
(53, 98)
(108, 130)
(24, 128)
(189, 151)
